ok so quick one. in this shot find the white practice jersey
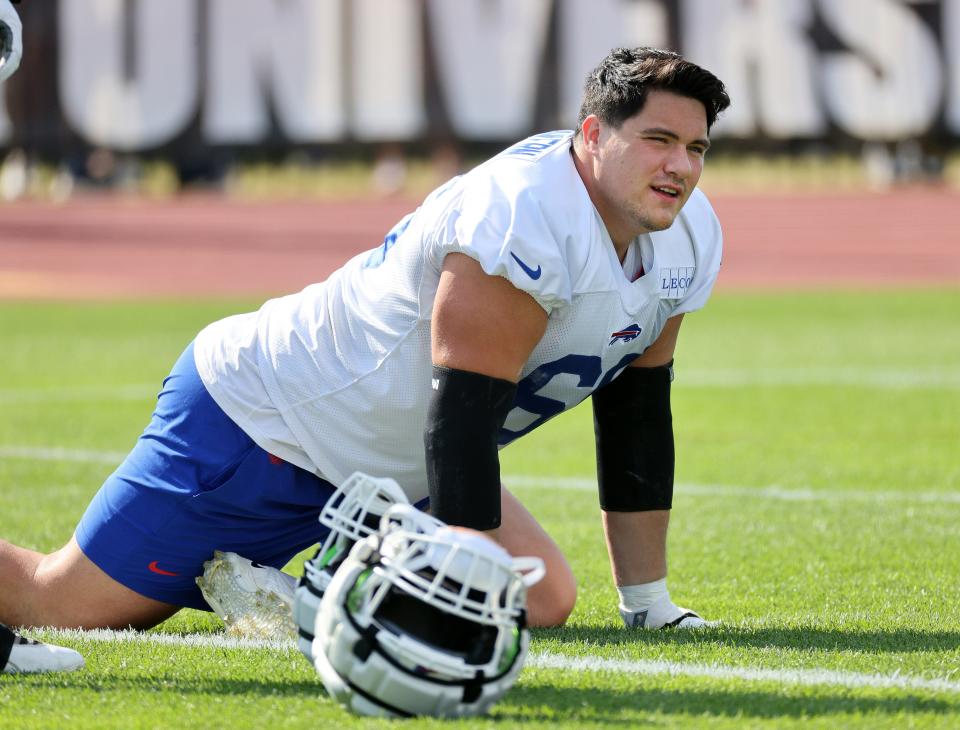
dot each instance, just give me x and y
(337, 378)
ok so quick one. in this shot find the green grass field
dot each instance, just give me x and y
(817, 516)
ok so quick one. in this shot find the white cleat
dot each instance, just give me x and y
(254, 601)
(664, 614)
(18, 654)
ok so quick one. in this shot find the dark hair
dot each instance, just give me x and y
(618, 87)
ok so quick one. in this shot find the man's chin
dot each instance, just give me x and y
(652, 224)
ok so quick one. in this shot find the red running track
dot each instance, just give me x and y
(108, 247)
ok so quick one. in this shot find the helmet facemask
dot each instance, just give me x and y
(351, 513)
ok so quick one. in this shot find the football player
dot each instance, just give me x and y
(558, 270)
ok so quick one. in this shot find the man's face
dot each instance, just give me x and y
(646, 170)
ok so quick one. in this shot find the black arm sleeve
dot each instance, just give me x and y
(633, 426)
(467, 411)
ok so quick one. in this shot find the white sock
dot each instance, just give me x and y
(641, 597)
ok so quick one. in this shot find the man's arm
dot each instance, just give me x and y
(483, 332)
(484, 326)
(637, 540)
(661, 351)
(635, 462)
(483, 323)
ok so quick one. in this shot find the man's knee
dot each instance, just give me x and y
(551, 601)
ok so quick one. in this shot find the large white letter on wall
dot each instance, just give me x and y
(488, 55)
(287, 51)
(761, 51)
(889, 86)
(133, 101)
(588, 32)
(951, 51)
(387, 70)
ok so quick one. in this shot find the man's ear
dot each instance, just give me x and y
(590, 133)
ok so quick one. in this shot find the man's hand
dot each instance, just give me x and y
(11, 42)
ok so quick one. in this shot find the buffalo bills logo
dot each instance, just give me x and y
(627, 334)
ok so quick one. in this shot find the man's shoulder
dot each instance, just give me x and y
(694, 239)
(698, 222)
(688, 254)
(698, 208)
(534, 178)
(538, 146)
(522, 216)
(540, 160)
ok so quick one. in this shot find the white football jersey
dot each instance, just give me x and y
(337, 377)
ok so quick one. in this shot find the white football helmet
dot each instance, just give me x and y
(352, 513)
(424, 619)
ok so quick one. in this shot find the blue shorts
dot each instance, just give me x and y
(195, 483)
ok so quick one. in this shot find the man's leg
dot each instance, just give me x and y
(65, 589)
(550, 602)
(637, 544)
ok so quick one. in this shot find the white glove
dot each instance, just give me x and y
(11, 41)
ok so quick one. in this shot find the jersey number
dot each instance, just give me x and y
(587, 369)
(378, 254)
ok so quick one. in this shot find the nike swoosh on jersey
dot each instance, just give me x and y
(154, 568)
(532, 273)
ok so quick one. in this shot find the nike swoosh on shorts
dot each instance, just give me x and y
(154, 568)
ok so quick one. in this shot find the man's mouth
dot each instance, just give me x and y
(670, 191)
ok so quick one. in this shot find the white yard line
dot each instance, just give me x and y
(551, 660)
(796, 494)
(774, 492)
(819, 376)
(876, 378)
(73, 394)
(50, 453)
(127, 636)
(803, 677)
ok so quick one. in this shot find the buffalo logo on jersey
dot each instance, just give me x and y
(627, 334)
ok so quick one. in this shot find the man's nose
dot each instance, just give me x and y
(677, 161)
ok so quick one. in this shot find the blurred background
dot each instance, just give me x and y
(161, 94)
(379, 100)
(166, 163)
